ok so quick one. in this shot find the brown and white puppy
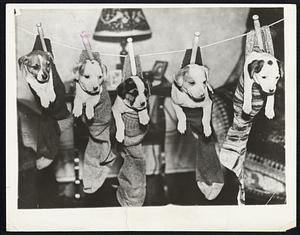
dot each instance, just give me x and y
(263, 69)
(89, 77)
(36, 68)
(190, 89)
(132, 96)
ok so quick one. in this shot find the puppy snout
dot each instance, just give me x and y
(271, 90)
(95, 88)
(44, 77)
(143, 103)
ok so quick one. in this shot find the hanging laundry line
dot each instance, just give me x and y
(150, 54)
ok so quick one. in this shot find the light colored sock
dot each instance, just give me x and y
(43, 162)
(210, 191)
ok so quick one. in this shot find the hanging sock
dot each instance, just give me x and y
(98, 152)
(233, 151)
(49, 130)
(132, 175)
(209, 175)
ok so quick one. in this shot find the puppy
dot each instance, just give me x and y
(265, 70)
(36, 68)
(190, 89)
(132, 96)
(89, 77)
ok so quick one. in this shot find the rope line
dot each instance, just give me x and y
(150, 54)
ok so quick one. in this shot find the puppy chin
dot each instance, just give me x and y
(267, 92)
(43, 81)
(139, 107)
(198, 99)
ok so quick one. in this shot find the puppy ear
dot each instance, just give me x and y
(280, 68)
(77, 70)
(121, 90)
(147, 87)
(50, 56)
(255, 66)
(206, 72)
(179, 76)
(104, 69)
(22, 61)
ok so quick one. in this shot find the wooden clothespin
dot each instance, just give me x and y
(131, 57)
(195, 48)
(86, 43)
(258, 31)
(41, 34)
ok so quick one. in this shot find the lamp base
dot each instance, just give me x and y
(122, 53)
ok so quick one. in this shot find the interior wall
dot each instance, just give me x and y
(172, 29)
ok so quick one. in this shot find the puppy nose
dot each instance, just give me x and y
(95, 88)
(271, 90)
(44, 77)
(143, 103)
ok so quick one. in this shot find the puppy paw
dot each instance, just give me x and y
(207, 131)
(269, 113)
(77, 111)
(181, 127)
(52, 96)
(144, 120)
(120, 136)
(89, 113)
(247, 109)
(42, 163)
(45, 102)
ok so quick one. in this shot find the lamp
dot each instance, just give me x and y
(118, 24)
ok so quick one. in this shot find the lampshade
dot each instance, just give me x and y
(116, 23)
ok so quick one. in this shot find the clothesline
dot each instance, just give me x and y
(149, 54)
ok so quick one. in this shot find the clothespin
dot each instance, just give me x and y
(86, 43)
(258, 31)
(41, 34)
(131, 57)
(195, 47)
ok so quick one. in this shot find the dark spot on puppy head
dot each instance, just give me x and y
(255, 67)
(270, 62)
(125, 87)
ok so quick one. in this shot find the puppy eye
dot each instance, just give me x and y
(277, 77)
(36, 66)
(134, 93)
(204, 82)
(87, 76)
(192, 82)
(100, 77)
(263, 77)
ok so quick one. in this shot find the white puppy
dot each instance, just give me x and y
(37, 70)
(190, 89)
(132, 97)
(89, 78)
(263, 69)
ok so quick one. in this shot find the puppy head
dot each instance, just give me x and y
(90, 74)
(38, 64)
(135, 92)
(266, 73)
(192, 79)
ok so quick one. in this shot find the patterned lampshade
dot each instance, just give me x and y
(116, 23)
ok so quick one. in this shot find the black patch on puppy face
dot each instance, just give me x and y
(128, 90)
(255, 67)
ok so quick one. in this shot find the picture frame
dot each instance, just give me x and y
(159, 69)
